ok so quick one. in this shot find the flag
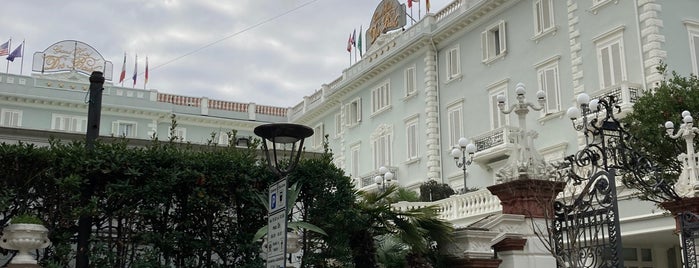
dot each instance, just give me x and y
(410, 3)
(427, 4)
(349, 43)
(354, 38)
(17, 53)
(145, 81)
(359, 42)
(123, 70)
(5, 48)
(135, 70)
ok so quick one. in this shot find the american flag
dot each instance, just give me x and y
(5, 48)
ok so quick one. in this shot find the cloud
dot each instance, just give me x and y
(271, 52)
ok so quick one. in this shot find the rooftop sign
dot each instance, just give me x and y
(71, 55)
(389, 15)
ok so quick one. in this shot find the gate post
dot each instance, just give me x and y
(533, 199)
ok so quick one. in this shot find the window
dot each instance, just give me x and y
(353, 112)
(497, 118)
(68, 123)
(410, 81)
(223, 138)
(381, 97)
(381, 140)
(411, 138)
(338, 124)
(693, 30)
(11, 118)
(354, 155)
(318, 135)
(453, 63)
(494, 42)
(454, 114)
(124, 128)
(610, 59)
(180, 133)
(543, 15)
(638, 257)
(548, 82)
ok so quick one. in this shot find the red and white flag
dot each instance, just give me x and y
(123, 70)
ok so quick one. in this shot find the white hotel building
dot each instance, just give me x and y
(417, 90)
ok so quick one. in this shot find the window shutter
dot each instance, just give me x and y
(484, 45)
(115, 128)
(503, 40)
(346, 111)
(551, 90)
(17, 117)
(453, 63)
(359, 109)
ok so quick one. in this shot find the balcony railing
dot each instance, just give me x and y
(460, 210)
(368, 179)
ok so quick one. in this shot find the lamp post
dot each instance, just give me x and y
(524, 161)
(282, 136)
(463, 157)
(688, 180)
(385, 176)
(686, 207)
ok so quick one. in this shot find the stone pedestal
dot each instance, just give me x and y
(531, 198)
(688, 204)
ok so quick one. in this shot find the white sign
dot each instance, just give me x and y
(277, 234)
(276, 262)
(277, 196)
(276, 225)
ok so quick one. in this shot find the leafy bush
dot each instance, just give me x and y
(433, 191)
(26, 218)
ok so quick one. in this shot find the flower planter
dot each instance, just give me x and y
(24, 238)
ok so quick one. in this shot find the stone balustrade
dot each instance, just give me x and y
(460, 210)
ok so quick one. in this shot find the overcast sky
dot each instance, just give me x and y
(270, 52)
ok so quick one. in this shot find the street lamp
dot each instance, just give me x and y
(283, 135)
(521, 108)
(385, 176)
(525, 161)
(688, 179)
(461, 159)
(280, 135)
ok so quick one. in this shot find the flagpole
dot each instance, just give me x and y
(419, 10)
(9, 49)
(21, 65)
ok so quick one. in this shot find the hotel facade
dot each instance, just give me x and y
(417, 90)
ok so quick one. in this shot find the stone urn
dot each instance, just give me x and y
(24, 238)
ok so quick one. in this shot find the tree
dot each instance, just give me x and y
(664, 103)
(431, 190)
(417, 229)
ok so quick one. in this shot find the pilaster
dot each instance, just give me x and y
(432, 152)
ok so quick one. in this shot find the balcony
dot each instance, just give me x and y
(495, 145)
(366, 182)
(626, 93)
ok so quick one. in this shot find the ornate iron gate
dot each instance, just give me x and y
(689, 226)
(586, 233)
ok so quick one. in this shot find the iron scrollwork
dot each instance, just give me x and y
(608, 147)
(586, 233)
(689, 224)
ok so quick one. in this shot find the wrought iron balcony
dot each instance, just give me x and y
(495, 145)
(367, 180)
